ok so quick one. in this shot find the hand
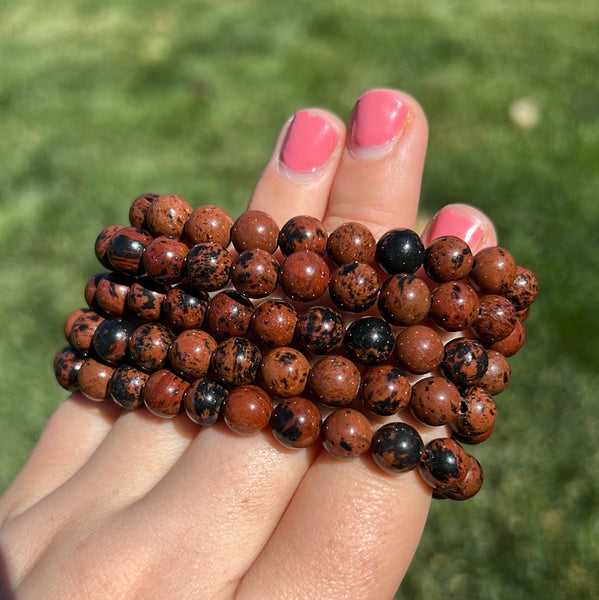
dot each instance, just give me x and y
(117, 504)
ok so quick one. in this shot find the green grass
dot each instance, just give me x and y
(102, 101)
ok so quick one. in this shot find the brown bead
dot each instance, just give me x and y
(471, 483)
(138, 211)
(273, 323)
(494, 270)
(444, 464)
(303, 233)
(434, 401)
(419, 349)
(454, 306)
(111, 339)
(255, 273)
(320, 329)
(111, 294)
(167, 215)
(163, 393)
(208, 266)
(70, 320)
(346, 433)
(524, 289)
(498, 374)
(229, 314)
(209, 223)
(511, 344)
(102, 242)
(191, 352)
(284, 372)
(126, 385)
(126, 249)
(404, 299)
(93, 378)
(354, 287)
(83, 329)
(295, 422)
(236, 361)
(496, 318)
(163, 259)
(145, 299)
(185, 308)
(247, 410)
(255, 229)
(67, 364)
(477, 412)
(385, 390)
(448, 258)
(351, 242)
(334, 380)
(203, 401)
(149, 345)
(464, 361)
(304, 276)
(472, 439)
(91, 287)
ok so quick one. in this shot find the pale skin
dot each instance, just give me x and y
(117, 504)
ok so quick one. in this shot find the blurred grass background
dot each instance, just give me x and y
(100, 102)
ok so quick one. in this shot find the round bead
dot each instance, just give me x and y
(247, 409)
(512, 343)
(303, 233)
(255, 273)
(404, 299)
(190, 353)
(185, 308)
(163, 259)
(419, 349)
(334, 380)
(102, 242)
(273, 323)
(149, 345)
(70, 320)
(138, 211)
(91, 287)
(448, 258)
(320, 329)
(346, 433)
(255, 229)
(209, 224)
(523, 290)
(236, 361)
(229, 314)
(203, 401)
(385, 390)
(163, 393)
(111, 294)
(472, 439)
(369, 341)
(167, 215)
(126, 385)
(470, 485)
(494, 270)
(444, 463)
(93, 378)
(477, 412)
(126, 249)
(464, 361)
(498, 374)
(304, 276)
(67, 364)
(284, 372)
(496, 318)
(354, 287)
(111, 339)
(208, 266)
(351, 242)
(83, 329)
(454, 306)
(295, 422)
(434, 401)
(397, 448)
(145, 299)
(399, 251)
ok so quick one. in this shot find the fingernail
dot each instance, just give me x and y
(461, 221)
(377, 120)
(309, 143)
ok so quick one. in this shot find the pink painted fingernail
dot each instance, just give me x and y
(460, 220)
(309, 143)
(377, 120)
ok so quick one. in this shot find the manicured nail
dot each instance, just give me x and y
(377, 120)
(460, 220)
(309, 143)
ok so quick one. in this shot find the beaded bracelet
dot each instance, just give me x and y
(310, 334)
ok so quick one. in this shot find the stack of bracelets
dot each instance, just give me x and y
(314, 335)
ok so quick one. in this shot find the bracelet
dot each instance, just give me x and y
(323, 338)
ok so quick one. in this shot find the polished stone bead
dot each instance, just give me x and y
(229, 314)
(167, 215)
(163, 393)
(295, 422)
(236, 361)
(334, 380)
(303, 233)
(67, 364)
(93, 379)
(145, 299)
(138, 211)
(70, 320)
(523, 290)
(126, 385)
(255, 273)
(273, 323)
(304, 276)
(247, 410)
(83, 329)
(351, 242)
(404, 299)
(444, 463)
(191, 352)
(184, 307)
(385, 390)
(111, 293)
(149, 345)
(91, 287)
(354, 287)
(464, 361)
(496, 318)
(346, 433)
(208, 223)
(369, 341)
(448, 258)
(126, 249)
(434, 401)
(396, 448)
(494, 270)
(203, 401)
(419, 349)
(511, 344)
(399, 251)
(454, 306)
(284, 372)
(255, 229)
(102, 242)
(498, 374)
(477, 412)
(111, 339)
(208, 266)
(469, 486)
(163, 259)
(320, 329)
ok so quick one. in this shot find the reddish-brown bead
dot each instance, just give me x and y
(454, 305)
(167, 215)
(126, 385)
(404, 299)
(303, 233)
(191, 352)
(444, 464)
(208, 266)
(126, 249)
(494, 270)
(111, 339)
(163, 393)
(448, 258)
(273, 323)
(67, 364)
(255, 229)
(236, 361)
(208, 223)
(434, 401)
(419, 349)
(385, 390)
(320, 329)
(149, 345)
(496, 318)
(111, 294)
(247, 410)
(145, 299)
(229, 314)
(334, 380)
(203, 401)
(91, 287)
(138, 211)
(93, 378)
(476, 414)
(284, 372)
(185, 308)
(470, 485)
(351, 242)
(295, 422)
(102, 242)
(304, 276)
(354, 287)
(523, 290)
(511, 344)
(346, 433)
(498, 374)
(83, 329)
(255, 273)
(70, 320)
(464, 361)
(163, 259)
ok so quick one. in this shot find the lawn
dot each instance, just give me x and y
(100, 102)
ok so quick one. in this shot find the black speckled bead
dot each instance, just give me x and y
(400, 251)
(145, 299)
(138, 211)
(163, 393)
(303, 233)
(126, 249)
(70, 320)
(126, 385)
(167, 215)
(255, 229)
(208, 223)
(208, 266)
(498, 374)
(273, 323)
(511, 344)
(320, 329)
(163, 259)
(369, 341)
(149, 345)
(67, 363)
(102, 241)
(434, 401)
(111, 339)
(295, 422)
(477, 412)
(111, 293)
(236, 361)
(346, 433)
(229, 314)
(354, 287)
(494, 270)
(203, 401)
(454, 306)
(404, 299)
(524, 289)
(185, 308)
(351, 242)
(334, 380)
(448, 258)
(496, 318)
(255, 273)
(464, 361)
(304, 276)
(469, 486)
(91, 287)
(444, 463)
(83, 329)
(284, 372)
(93, 378)
(396, 448)
(191, 352)
(385, 390)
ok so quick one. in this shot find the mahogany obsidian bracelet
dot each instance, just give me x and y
(310, 334)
